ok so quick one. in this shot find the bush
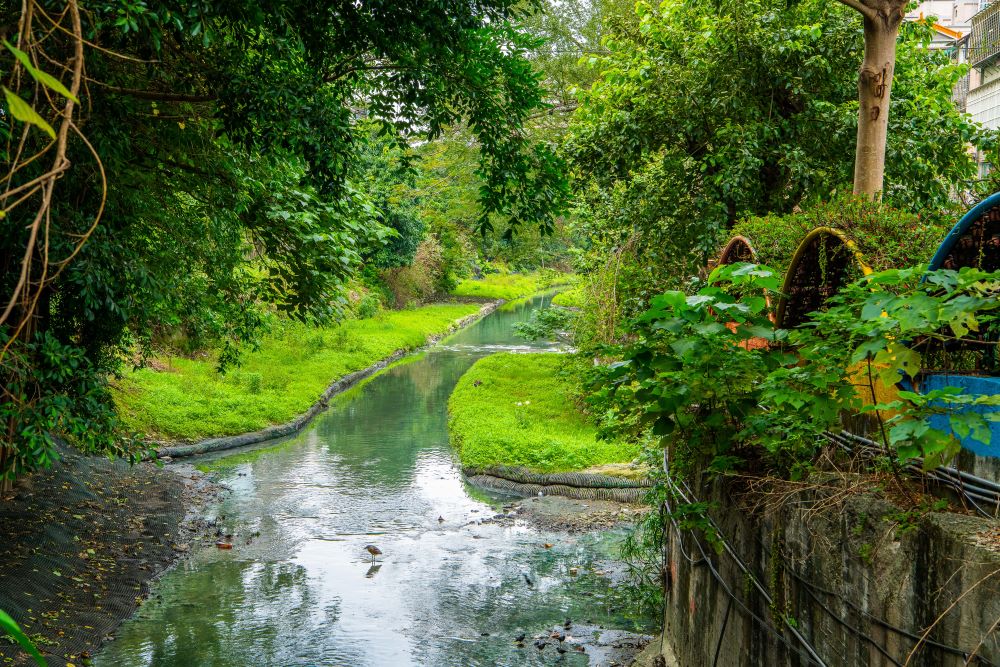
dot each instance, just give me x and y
(367, 307)
(419, 282)
(887, 237)
(694, 376)
(571, 298)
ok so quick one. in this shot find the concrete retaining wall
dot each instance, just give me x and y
(858, 580)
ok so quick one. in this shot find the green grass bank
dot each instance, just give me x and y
(510, 285)
(571, 298)
(517, 410)
(187, 399)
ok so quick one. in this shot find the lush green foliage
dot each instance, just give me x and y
(240, 158)
(517, 409)
(190, 398)
(700, 375)
(888, 238)
(446, 190)
(508, 286)
(708, 112)
(571, 298)
(555, 323)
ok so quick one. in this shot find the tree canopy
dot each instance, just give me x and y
(219, 166)
(707, 112)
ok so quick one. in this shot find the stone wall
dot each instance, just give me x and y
(856, 578)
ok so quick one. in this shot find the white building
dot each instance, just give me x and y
(982, 50)
(954, 19)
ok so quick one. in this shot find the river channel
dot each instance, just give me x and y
(298, 587)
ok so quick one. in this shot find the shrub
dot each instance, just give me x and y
(417, 283)
(693, 376)
(367, 307)
(571, 298)
(887, 237)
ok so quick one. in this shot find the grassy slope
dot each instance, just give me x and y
(274, 384)
(571, 298)
(509, 286)
(546, 434)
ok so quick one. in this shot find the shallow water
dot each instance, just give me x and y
(375, 468)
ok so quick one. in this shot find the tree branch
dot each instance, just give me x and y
(156, 95)
(859, 6)
(366, 68)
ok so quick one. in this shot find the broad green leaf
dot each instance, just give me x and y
(10, 626)
(24, 112)
(42, 77)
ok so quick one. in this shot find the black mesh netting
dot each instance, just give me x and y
(80, 543)
(820, 268)
(737, 251)
(978, 245)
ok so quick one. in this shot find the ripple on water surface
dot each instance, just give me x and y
(298, 587)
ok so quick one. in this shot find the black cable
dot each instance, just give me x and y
(753, 579)
(970, 487)
(813, 655)
(722, 632)
(810, 586)
(728, 591)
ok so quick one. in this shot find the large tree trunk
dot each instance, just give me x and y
(882, 19)
(874, 90)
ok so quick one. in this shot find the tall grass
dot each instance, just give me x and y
(517, 409)
(510, 285)
(188, 398)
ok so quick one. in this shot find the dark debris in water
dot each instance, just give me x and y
(604, 647)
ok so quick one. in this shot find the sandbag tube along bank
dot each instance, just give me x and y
(577, 485)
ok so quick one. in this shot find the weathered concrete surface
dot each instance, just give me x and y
(860, 580)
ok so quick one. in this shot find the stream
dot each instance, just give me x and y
(298, 587)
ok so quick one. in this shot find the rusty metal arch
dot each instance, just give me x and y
(739, 249)
(820, 267)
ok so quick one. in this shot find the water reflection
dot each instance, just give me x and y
(376, 468)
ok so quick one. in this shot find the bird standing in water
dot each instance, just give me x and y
(374, 551)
